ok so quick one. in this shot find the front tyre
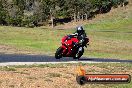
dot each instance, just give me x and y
(58, 53)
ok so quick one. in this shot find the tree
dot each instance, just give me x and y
(31, 12)
(2, 14)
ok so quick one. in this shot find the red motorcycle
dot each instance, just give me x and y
(71, 48)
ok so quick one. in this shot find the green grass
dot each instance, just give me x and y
(36, 39)
(7, 68)
(54, 75)
(110, 37)
(107, 40)
(41, 66)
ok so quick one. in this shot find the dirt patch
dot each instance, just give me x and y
(71, 25)
(53, 77)
(8, 49)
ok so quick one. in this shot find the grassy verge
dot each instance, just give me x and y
(110, 37)
(107, 40)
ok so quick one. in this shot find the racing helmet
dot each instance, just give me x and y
(80, 30)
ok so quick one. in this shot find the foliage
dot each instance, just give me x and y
(31, 12)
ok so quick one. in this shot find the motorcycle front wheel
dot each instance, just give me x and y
(58, 53)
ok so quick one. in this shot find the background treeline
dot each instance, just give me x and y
(32, 13)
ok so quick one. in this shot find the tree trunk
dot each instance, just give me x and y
(78, 16)
(52, 19)
(52, 22)
(82, 18)
(86, 16)
(75, 19)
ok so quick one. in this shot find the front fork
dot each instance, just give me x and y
(65, 50)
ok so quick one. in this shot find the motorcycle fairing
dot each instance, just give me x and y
(68, 45)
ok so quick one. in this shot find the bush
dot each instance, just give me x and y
(30, 13)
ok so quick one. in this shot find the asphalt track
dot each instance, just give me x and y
(18, 59)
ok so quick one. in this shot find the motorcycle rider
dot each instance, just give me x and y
(76, 48)
(80, 35)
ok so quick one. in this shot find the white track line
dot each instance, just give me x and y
(31, 63)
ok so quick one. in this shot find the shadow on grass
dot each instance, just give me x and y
(44, 58)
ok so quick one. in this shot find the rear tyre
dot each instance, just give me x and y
(58, 53)
(78, 54)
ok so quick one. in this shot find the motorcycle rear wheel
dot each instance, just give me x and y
(58, 53)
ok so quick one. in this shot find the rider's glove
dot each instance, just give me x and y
(69, 37)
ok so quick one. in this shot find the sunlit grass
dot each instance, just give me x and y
(106, 41)
(110, 37)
